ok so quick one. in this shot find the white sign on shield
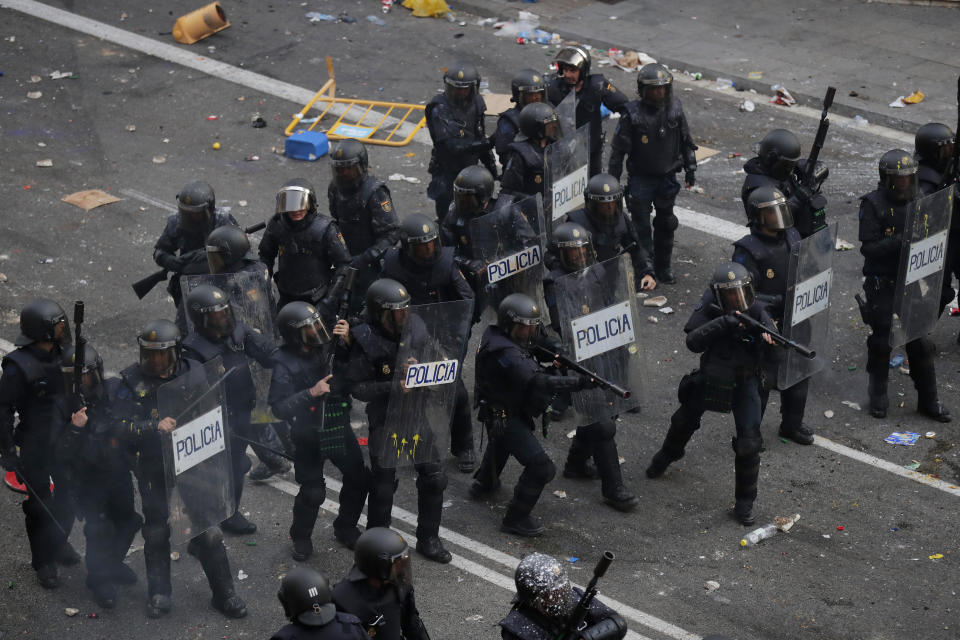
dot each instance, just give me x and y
(926, 257)
(568, 192)
(197, 440)
(429, 374)
(513, 264)
(811, 296)
(602, 331)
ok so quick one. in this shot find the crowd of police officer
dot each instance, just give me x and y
(345, 283)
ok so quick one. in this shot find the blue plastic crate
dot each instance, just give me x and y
(306, 145)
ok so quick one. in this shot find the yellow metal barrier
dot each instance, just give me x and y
(392, 124)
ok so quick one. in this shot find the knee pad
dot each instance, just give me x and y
(313, 496)
(747, 447)
(542, 469)
(665, 220)
(155, 533)
(433, 481)
(384, 479)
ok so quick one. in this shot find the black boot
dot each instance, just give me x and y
(302, 549)
(925, 381)
(209, 550)
(432, 548)
(238, 524)
(877, 392)
(792, 428)
(518, 521)
(580, 470)
(747, 473)
(158, 605)
(663, 255)
(621, 499)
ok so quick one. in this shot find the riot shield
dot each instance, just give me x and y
(429, 364)
(511, 242)
(916, 302)
(806, 314)
(251, 296)
(567, 113)
(567, 163)
(599, 324)
(196, 455)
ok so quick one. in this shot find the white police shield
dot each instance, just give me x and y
(567, 169)
(916, 302)
(251, 296)
(511, 243)
(567, 113)
(196, 455)
(599, 326)
(429, 363)
(806, 306)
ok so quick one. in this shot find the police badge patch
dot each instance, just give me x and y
(770, 273)
(385, 205)
(385, 369)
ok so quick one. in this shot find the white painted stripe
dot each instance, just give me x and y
(6, 347)
(490, 553)
(187, 58)
(710, 224)
(148, 199)
(880, 463)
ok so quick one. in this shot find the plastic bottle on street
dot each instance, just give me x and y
(755, 536)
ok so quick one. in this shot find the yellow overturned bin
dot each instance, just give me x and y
(200, 23)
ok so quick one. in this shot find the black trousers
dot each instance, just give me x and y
(518, 440)
(105, 500)
(48, 516)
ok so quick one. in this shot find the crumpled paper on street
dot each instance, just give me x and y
(427, 8)
(629, 60)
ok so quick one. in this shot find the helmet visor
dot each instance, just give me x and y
(216, 259)
(466, 202)
(347, 176)
(901, 188)
(218, 321)
(401, 573)
(529, 95)
(551, 130)
(782, 168)
(576, 258)
(776, 215)
(732, 296)
(158, 362)
(459, 94)
(424, 252)
(293, 199)
(604, 212)
(312, 331)
(657, 94)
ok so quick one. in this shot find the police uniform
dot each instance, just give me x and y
(182, 252)
(527, 623)
(807, 207)
(387, 612)
(524, 171)
(609, 241)
(595, 91)
(343, 627)
(508, 126)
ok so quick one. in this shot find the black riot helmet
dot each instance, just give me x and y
(210, 311)
(779, 151)
(527, 86)
(226, 247)
(159, 342)
(305, 596)
(898, 175)
(655, 85)
(381, 554)
(573, 56)
(519, 317)
(349, 164)
(543, 585)
(293, 197)
(573, 246)
(767, 207)
(43, 320)
(91, 376)
(732, 287)
(604, 199)
(300, 324)
(195, 206)
(934, 145)
(472, 190)
(420, 240)
(387, 301)
(461, 84)
(539, 121)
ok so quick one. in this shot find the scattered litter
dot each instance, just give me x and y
(35, 79)
(748, 106)
(782, 96)
(658, 301)
(560, 493)
(159, 159)
(955, 311)
(839, 527)
(241, 575)
(59, 75)
(843, 245)
(704, 152)
(3, 277)
(711, 585)
(898, 103)
(399, 177)
(215, 146)
(409, 154)
(380, 22)
(755, 75)
(785, 523)
(428, 8)
(242, 203)
(346, 18)
(695, 189)
(621, 459)
(828, 413)
(45, 163)
(653, 319)
(258, 122)
(43, 144)
(131, 127)
(629, 60)
(89, 199)
(827, 536)
(896, 360)
(906, 438)
(447, 504)
(665, 310)
(860, 121)
(251, 543)
(915, 97)
(852, 367)
(571, 434)
(574, 559)
(905, 371)
(913, 466)
(316, 17)
(70, 611)
(213, 117)
(929, 435)
(34, 95)
(474, 618)
(853, 405)
(761, 533)
(174, 555)
(724, 83)
(252, 158)
(936, 556)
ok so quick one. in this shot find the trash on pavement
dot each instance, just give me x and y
(906, 438)
(241, 575)
(853, 405)
(930, 435)
(860, 121)
(843, 245)
(828, 413)
(45, 163)
(159, 159)
(785, 523)
(898, 103)
(89, 199)
(782, 96)
(399, 177)
(915, 97)
(665, 310)
(724, 83)
(711, 585)
(475, 618)
(200, 23)
(658, 301)
(653, 319)
(896, 361)
(560, 493)
(755, 75)
(316, 16)
(935, 556)
(380, 22)
(427, 8)
(761, 533)
(258, 122)
(913, 466)
(748, 106)
(306, 145)
(70, 611)
(35, 95)
(59, 75)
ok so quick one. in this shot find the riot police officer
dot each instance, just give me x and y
(524, 171)
(218, 333)
(32, 387)
(364, 211)
(592, 91)
(778, 164)
(456, 126)
(546, 600)
(379, 588)
(610, 232)
(303, 393)
(765, 252)
(934, 145)
(228, 251)
(307, 602)
(526, 87)
(726, 380)
(472, 198)
(180, 249)
(593, 441)
(161, 362)
(373, 356)
(310, 247)
(430, 274)
(882, 218)
(654, 136)
(94, 449)
(512, 389)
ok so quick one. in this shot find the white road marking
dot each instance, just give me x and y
(148, 199)
(710, 224)
(478, 570)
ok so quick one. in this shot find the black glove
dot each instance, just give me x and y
(172, 263)
(360, 261)
(9, 459)
(731, 321)
(690, 177)
(480, 146)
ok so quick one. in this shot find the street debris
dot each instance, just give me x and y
(785, 523)
(828, 413)
(658, 301)
(70, 611)
(782, 96)
(560, 493)
(930, 435)
(853, 405)
(427, 8)
(35, 95)
(748, 106)
(89, 199)
(45, 163)
(159, 159)
(241, 575)
(653, 319)
(474, 618)
(905, 438)
(843, 245)
(711, 585)
(915, 98)
(896, 361)
(399, 177)
(665, 310)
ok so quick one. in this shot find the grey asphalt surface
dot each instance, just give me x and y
(873, 580)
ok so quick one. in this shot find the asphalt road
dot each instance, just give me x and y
(881, 576)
